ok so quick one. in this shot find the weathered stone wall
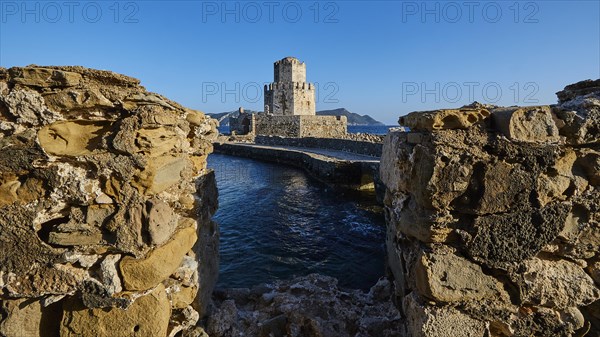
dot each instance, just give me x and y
(285, 126)
(304, 99)
(360, 147)
(289, 69)
(299, 126)
(290, 98)
(242, 124)
(493, 218)
(323, 126)
(105, 207)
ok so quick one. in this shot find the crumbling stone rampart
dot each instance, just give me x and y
(105, 207)
(493, 218)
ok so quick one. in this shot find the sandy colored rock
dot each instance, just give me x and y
(558, 284)
(77, 100)
(195, 117)
(27, 318)
(161, 173)
(424, 320)
(184, 297)
(594, 270)
(161, 221)
(96, 215)
(461, 118)
(72, 138)
(157, 141)
(552, 188)
(147, 99)
(142, 274)
(446, 277)
(498, 196)
(147, 316)
(526, 124)
(410, 219)
(44, 77)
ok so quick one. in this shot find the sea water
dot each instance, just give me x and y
(276, 222)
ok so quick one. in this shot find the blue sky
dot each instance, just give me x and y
(382, 58)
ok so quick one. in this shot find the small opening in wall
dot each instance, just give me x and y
(47, 227)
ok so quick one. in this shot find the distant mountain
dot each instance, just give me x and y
(353, 118)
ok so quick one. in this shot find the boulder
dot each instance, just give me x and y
(147, 316)
(533, 124)
(558, 284)
(445, 277)
(72, 138)
(462, 118)
(425, 320)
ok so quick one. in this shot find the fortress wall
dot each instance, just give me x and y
(323, 126)
(354, 175)
(105, 207)
(268, 101)
(304, 100)
(285, 126)
(493, 218)
(360, 147)
(300, 126)
(291, 99)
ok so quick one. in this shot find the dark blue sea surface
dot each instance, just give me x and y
(373, 129)
(278, 223)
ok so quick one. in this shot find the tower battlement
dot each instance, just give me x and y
(289, 94)
(288, 85)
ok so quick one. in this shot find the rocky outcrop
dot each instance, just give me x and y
(105, 206)
(310, 306)
(493, 226)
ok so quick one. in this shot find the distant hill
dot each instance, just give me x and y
(353, 118)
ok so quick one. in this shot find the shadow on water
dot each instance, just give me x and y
(278, 223)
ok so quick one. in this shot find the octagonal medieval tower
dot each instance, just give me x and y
(290, 94)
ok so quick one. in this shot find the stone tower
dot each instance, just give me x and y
(290, 94)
